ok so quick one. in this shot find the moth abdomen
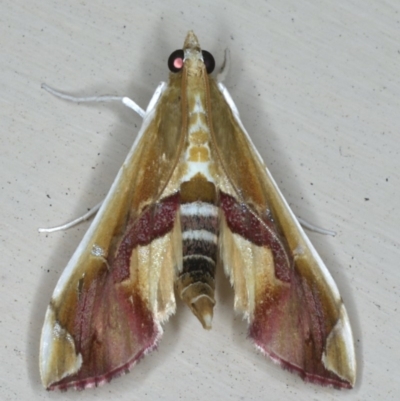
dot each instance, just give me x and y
(196, 280)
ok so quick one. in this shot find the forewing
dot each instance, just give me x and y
(293, 306)
(106, 310)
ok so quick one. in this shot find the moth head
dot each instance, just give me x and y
(192, 55)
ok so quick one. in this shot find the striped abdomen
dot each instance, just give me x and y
(196, 281)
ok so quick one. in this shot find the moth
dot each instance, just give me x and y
(192, 196)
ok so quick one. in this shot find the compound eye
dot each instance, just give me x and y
(175, 61)
(209, 61)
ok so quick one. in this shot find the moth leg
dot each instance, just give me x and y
(74, 222)
(316, 229)
(86, 99)
(226, 65)
(133, 105)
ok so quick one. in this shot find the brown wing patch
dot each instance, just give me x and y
(292, 327)
(111, 331)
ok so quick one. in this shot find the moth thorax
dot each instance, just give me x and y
(196, 280)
